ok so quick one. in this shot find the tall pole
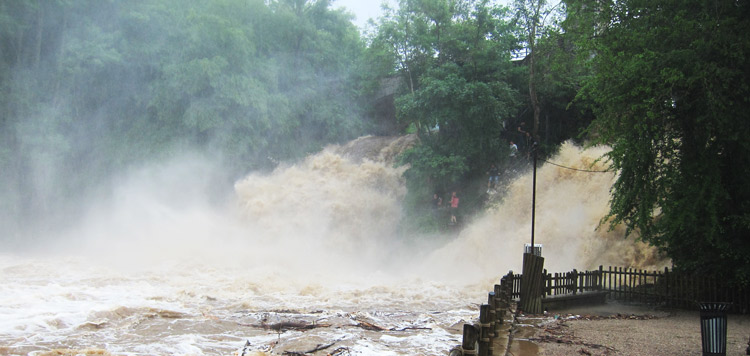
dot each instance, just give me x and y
(533, 198)
(533, 264)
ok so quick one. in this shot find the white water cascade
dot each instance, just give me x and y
(156, 269)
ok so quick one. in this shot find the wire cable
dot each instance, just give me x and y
(575, 169)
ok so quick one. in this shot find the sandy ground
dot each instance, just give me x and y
(628, 330)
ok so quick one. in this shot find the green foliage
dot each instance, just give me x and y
(98, 85)
(429, 167)
(430, 172)
(559, 78)
(670, 90)
(454, 61)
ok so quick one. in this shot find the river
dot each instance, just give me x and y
(306, 257)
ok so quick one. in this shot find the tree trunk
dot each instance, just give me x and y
(534, 98)
(19, 47)
(532, 71)
(38, 42)
(60, 54)
(546, 127)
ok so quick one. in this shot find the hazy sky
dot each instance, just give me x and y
(363, 9)
(366, 9)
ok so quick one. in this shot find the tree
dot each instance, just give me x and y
(670, 91)
(454, 57)
(531, 16)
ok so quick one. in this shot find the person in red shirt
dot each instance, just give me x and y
(454, 207)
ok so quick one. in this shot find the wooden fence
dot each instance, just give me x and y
(666, 287)
(480, 338)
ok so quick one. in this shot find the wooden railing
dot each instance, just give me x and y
(479, 338)
(666, 288)
(625, 284)
(678, 290)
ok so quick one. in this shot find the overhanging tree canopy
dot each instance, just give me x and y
(670, 89)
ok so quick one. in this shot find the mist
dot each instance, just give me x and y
(92, 91)
(569, 207)
(335, 218)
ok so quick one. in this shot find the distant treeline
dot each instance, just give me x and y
(88, 87)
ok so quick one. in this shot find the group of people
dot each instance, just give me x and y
(494, 172)
(494, 178)
(437, 203)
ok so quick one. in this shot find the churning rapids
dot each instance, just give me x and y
(313, 247)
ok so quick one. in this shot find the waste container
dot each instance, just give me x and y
(714, 328)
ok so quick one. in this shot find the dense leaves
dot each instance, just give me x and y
(454, 60)
(89, 87)
(670, 88)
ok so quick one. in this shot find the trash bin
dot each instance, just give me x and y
(714, 328)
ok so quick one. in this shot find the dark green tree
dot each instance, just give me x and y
(454, 59)
(670, 90)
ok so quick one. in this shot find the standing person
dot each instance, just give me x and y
(513, 157)
(513, 150)
(454, 207)
(437, 204)
(494, 177)
(437, 201)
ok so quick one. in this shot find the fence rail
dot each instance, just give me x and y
(665, 287)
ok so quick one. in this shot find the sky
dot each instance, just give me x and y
(363, 9)
(366, 9)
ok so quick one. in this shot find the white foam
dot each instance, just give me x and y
(153, 273)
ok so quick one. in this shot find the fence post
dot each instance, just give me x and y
(531, 283)
(471, 337)
(492, 302)
(574, 278)
(600, 279)
(509, 284)
(501, 304)
(666, 298)
(644, 287)
(586, 281)
(484, 330)
(506, 283)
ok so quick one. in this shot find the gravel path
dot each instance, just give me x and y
(617, 330)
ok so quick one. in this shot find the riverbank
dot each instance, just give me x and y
(619, 330)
